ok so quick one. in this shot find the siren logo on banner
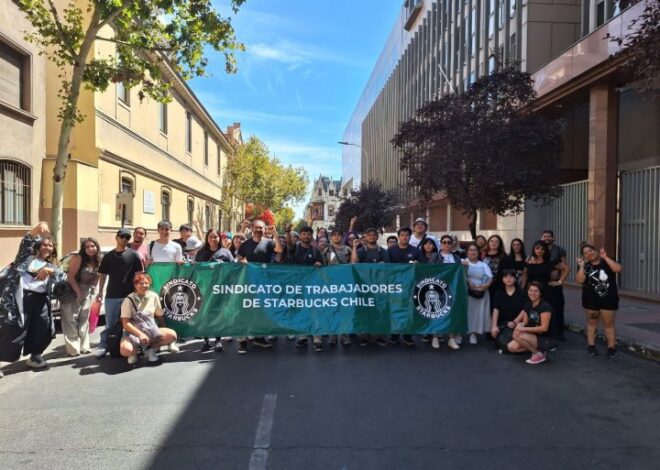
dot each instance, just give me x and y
(433, 298)
(181, 299)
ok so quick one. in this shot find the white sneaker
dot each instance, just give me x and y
(151, 355)
(227, 338)
(453, 344)
(36, 362)
(101, 353)
(174, 348)
(473, 339)
(132, 359)
(435, 343)
(458, 339)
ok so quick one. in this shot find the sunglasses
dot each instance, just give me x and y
(125, 237)
(446, 242)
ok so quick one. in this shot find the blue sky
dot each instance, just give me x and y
(300, 78)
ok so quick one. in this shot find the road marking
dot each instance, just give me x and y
(259, 456)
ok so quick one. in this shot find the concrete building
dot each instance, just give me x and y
(612, 147)
(22, 130)
(325, 201)
(133, 163)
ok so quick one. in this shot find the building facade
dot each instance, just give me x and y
(611, 144)
(22, 130)
(324, 202)
(134, 163)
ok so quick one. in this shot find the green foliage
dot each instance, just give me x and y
(484, 148)
(254, 177)
(300, 223)
(373, 207)
(283, 217)
(145, 33)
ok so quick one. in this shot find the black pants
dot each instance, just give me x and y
(555, 298)
(38, 322)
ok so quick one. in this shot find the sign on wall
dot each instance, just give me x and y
(149, 202)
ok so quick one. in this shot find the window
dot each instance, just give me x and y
(15, 180)
(124, 211)
(600, 13)
(126, 185)
(165, 204)
(512, 8)
(207, 216)
(331, 210)
(332, 192)
(14, 77)
(491, 18)
(500, 56)
(320, 192)
(163, 117)
(513, 48)
(206, 148)
(123, 93)
(191, 210)
(502, 13)
(188, 132)
(491, 63)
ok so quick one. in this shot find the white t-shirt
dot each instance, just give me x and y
(165, 253)
(447, 258)
(414, 241)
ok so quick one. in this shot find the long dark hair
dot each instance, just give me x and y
(85, 259)
(424, 242)
(546, 252)
(500, 250)
(207, 245)
(37, 247)
(522, 250)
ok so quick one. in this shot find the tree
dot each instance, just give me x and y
(146, 33)
(256, 178)
(283, 217)
(642, 45)
(373, 207)
(485, 148)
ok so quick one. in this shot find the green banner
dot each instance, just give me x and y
(234, 299)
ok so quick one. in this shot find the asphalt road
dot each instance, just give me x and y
(360, 408)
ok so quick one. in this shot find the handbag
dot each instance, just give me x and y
(94, 314)
(477, 294)
(63, 291)
(146, 324)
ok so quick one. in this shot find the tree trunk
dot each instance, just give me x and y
(473, 224)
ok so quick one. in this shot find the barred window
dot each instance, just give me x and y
(15, 193)
(166, 203)
(191, 210)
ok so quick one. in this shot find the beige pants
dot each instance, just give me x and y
(75, 323)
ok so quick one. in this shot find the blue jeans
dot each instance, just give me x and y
(112, 312)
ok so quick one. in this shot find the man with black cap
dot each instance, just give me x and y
(420, 233)
(119, 267)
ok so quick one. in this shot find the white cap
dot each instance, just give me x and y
(193, 243)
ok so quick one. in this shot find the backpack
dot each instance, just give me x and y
(114, 338)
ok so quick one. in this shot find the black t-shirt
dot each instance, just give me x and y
(509, 306)
(376, 255)
(298, 254)
(222, 255)
(556, 254)
(405, 255)
(539, 272)
(510, 262)
(120, 267)
(534, 317)
(599, 285)
(257, 252)
(180, 242)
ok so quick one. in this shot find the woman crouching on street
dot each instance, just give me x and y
(532, 328)
(138, 312)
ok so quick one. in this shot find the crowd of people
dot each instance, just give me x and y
(515, 298)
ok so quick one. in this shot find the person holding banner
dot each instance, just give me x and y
(479, 278)
(258, 249)
(138, 312)
(338, 253)
(305, 253)
(445, 255)
(370, 252)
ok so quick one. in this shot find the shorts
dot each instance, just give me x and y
(545, 343)
(601, 304)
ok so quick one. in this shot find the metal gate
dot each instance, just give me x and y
(567, 217)
(639, 241)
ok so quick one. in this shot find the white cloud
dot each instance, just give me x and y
(292, 53)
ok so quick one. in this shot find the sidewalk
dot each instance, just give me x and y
(637, 323)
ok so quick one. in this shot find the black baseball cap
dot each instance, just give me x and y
(371, 229)
(124, 232)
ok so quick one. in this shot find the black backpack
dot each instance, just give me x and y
(114, 338)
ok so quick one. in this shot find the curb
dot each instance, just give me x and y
(630, 345)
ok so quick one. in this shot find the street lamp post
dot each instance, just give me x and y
(350, 144)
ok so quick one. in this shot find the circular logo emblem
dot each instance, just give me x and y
(181, 299)
(433, 298)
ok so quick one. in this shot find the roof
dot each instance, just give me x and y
(325, 181)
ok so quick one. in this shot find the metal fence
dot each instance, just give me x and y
(639, 242)
(567, 217)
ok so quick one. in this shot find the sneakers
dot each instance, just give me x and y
(345, 340)
(35, 361)
(592, 350)
(101, 353)
(152, 356)
(173, 348)
(426, 338)
(611, 353)
(453, 344)
(435, 343)
(227, 338)
(408, 341)
(132, 359)
(537, 358)
(301, 342)
(364, 341)
(318, 347)
(217, 346)
(458, 339)
(262, 342)
(242, 347)
(473, 339)
(206, 346)
(291, 337)
(380, 341)
(332, 340)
